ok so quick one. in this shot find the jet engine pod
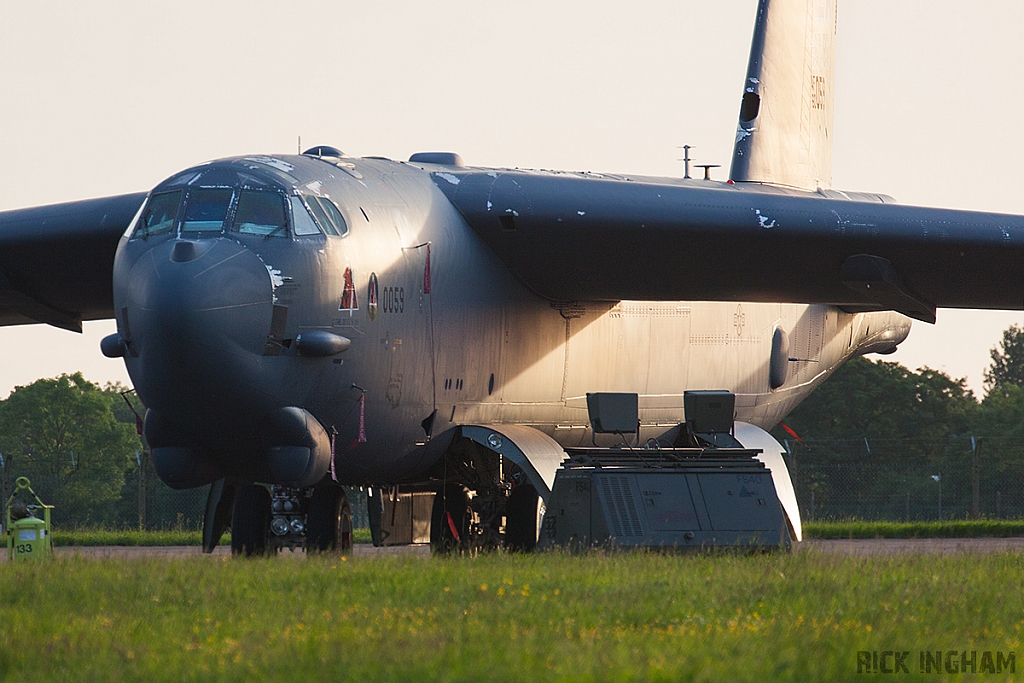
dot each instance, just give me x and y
(298, 447)
(178, 465)
(183, 467)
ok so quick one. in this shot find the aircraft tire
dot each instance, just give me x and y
(329, 521)
(250, 521)
(450, 509)
(521, 511)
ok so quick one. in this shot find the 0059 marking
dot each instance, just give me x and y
(393, 299)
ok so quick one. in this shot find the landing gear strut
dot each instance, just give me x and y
(375, 515)
(219, 505)
(250, 521)
(450, 519)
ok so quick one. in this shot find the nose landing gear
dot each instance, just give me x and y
(266, 520)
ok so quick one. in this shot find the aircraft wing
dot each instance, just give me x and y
(572, 237)
(56, 262)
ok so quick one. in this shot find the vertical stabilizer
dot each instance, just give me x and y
(785, 131)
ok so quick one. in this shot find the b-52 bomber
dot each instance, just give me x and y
(297, 324)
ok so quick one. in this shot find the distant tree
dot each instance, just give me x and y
(62, 433)
(1007, 360)
(125, 405)
(1000, 423)
(884, 400)
(1001, 413)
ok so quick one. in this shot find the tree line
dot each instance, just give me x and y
(887, 401)
(79, 445)
(879, 439)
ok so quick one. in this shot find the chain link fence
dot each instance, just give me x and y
(908, 479)
(145, 503)
(873, 479)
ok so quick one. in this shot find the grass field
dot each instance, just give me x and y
(962, 528)
(622, 617)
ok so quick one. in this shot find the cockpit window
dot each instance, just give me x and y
(327, 215)
(261, 213)
(302, 222)
(320, 215)
(206, 210)
(159, 216)
(336, 217)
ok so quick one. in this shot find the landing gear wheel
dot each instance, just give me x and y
(521, 512)
(250, 521)
(329, 521)
(449, 520)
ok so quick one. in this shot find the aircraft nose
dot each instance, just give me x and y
(197, 316)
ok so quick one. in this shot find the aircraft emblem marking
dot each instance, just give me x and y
(349, 302)
(371, 297)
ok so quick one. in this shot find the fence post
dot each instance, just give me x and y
(793, 463)
(141, 460)
(975, 481)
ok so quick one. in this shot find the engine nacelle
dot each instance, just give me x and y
(297, 446)
(292, 449)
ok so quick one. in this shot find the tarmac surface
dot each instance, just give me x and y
(856, 547)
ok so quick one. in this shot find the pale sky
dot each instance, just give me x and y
(105, 98)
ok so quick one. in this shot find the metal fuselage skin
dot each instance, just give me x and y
(210, 358)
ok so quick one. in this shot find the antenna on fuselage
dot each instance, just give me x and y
(686, 160)
(707, 169)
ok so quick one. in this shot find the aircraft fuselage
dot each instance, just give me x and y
(213, 298)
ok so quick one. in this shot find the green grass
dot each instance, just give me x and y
(94, 537)
(621, 617)
(947, 529)
(85, 537)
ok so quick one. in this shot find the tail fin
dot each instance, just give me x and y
(785, 131)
